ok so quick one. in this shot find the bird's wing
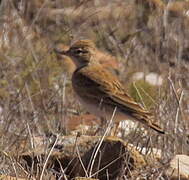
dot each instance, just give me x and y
(98, 84)
(107, 86)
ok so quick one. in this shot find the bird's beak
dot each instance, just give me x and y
(60, 51)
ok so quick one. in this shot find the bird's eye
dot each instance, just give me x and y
(78, 51)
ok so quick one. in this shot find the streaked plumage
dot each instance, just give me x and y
(100, 91)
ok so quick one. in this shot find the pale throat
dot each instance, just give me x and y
(93, 61)
(82, 62)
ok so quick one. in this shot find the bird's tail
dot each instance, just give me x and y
(156, 128)
(147, 120)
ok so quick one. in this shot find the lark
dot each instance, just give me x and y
(106, 60)
(100, 91)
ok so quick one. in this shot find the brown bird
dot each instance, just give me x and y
(106, 60)
(100, 91)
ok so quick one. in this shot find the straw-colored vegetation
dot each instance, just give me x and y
(36, 97)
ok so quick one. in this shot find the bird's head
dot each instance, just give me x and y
(81, 52)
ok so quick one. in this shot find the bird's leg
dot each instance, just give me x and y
(102, 126)
(115, 129)
(103, 122)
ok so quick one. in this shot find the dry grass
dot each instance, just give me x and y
(36, 97)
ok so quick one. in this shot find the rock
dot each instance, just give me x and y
(179, 168)
(84, 122)
(154, 79)
(126, 127)
(138, 76)
(151, 78)
(98, 156)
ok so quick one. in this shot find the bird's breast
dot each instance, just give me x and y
(87, 93)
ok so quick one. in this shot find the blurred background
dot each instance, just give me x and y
(147, 42)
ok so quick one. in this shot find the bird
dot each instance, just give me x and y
(100, 91)
(105, 59)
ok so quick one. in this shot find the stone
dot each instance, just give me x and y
(179, 167)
